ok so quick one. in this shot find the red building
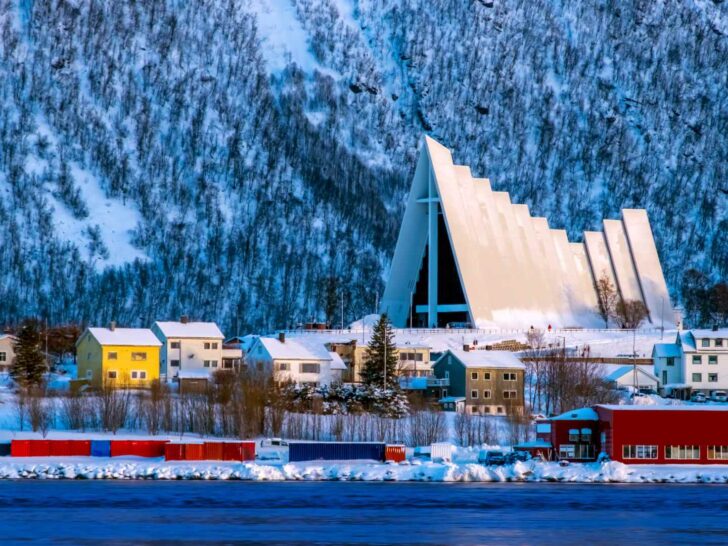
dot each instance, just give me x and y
(640, 434)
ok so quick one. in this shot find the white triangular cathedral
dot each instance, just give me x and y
(466, 254)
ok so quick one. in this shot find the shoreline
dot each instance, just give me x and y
(129, 469)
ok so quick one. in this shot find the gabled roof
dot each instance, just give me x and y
(721, 333)
(142, 337)
(687, 341)
(174, 329)
(8, 336)
(336, 362)
(666, 350)
(292, 349)
(485, 359)
(624, 370)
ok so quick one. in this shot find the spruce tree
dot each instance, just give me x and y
(29, 364)
(381, 349)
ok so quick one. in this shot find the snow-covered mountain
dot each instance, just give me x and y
(246, 161)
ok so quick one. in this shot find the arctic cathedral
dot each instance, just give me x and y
(466, 254)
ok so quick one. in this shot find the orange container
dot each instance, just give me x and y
(194, 452)
(394, 453)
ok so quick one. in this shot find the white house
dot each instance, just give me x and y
(296, 361)
(630, 376)
(696, 361)
(7, 351)
(189, 346)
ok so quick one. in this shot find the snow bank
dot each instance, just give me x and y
(416, 471)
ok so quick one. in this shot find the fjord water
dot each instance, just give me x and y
(92, 512)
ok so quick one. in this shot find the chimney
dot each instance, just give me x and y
(112, 325)
(184, 319)
(282, 337)
(466, 348)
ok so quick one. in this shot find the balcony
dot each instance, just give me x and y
(422, 383)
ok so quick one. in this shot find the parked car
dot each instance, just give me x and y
(719, 396)
(492, 458)
(514, 456)
(698, 397)
(647, 390)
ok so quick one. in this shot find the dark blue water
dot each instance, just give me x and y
(88, 512)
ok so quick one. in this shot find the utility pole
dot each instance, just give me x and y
(634, 359)
(342, 308)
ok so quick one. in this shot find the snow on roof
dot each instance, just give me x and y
(720, 333)
(8, 336)
(679, 407)
(666, 350)
(336, 362)
(687, 341)
(581, 414)
(125, 336)
(624, 370)
(294, 349)
(189, 329)
(486, 359)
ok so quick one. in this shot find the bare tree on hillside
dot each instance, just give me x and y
(630, 313)
(607, 298)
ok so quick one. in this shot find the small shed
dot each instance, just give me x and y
(453, 403)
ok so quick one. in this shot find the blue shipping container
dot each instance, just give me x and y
(5, 450)
(334, 451)
(100, 448)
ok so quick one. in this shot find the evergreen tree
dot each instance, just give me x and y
(29, 364)
(381, 349)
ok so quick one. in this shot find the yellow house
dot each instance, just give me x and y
(120, 357)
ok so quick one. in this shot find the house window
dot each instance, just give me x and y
(719, 342)
(697, 377)
(705, 342)
(474, 376)
(419, 357)
(283, 366)
(206, 363)
(499, 409)
(509, 377)
(138, 374)
(111, 356)
(447, 375)
(573, 434)
(138, 356)
(111, 374)
(89, 374)
(682, 452)
(310, 368)
(486, 394)
(697, 359)
(214, 345)
(718, 453)
(473, 394)
(213, 363)
(207, 345)
(473, 409)
(509, 394)
(586, 435)
(712, 378)
(3, 357)
(670, 360)
(444, 393)
(712, 359)
(639, 452)
(486, 376)
(174, 363)
(174, 345)
(567, 451)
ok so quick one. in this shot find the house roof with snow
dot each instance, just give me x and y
(581, 414)
(484, 359)
(290, 349)
(143, 337)
(721, 333)
(620, 372)
(336, 361)
(665, 350)
(175, 329)
(9, 337)
(656, 407)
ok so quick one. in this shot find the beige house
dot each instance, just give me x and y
(413, 358)
(7, 351)
(189, 346)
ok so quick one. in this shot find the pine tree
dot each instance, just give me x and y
(29, 364)
(381, 349)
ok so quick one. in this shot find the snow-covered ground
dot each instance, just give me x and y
(417, 471)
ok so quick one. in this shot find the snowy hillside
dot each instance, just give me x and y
(246, 161)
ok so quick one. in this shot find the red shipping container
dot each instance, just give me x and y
(394, 453)
(138, 448)
(174, 452)
(70, 448)
(39, 448)
(214, 451)
(238, 451)
(20, 448)
(194, 452)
